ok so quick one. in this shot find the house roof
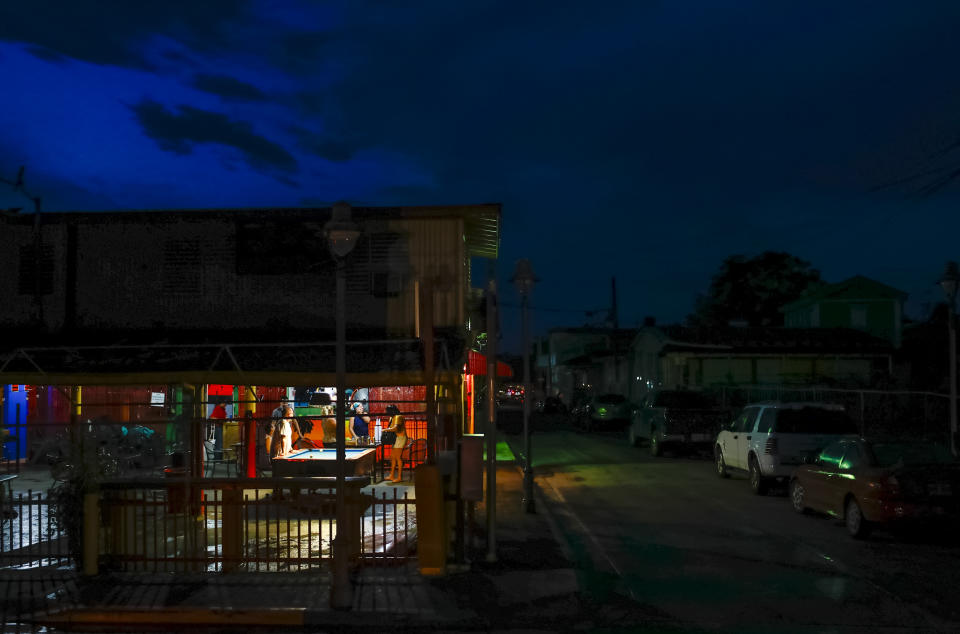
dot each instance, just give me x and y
(619, 336)
(857, 287)
(481, 221)
(773, 340)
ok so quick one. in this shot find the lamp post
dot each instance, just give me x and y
(951, 276)
(524, 279)
(341, 235)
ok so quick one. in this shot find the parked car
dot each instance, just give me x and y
(510, 397)
(551, 405)
(605, 411)
(676, 418)
(869, 482)
(769, 440)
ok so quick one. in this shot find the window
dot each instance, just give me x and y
(851, 458)
(745, 421)
(767, 420)
(815, 420)
(279, 247)
(36, 272)
(379, 265)
(182, 267)
(684, 399)
(831, 455)
(858, 316)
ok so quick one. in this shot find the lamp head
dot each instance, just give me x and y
(340, 231)
(523, 277)
(949, 281)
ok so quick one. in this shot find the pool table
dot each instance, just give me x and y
(323, 462)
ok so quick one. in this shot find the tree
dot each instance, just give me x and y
(754, 289)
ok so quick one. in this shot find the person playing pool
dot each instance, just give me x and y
(398, 426)
(282, 442)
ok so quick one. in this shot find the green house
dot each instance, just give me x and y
(858, 303)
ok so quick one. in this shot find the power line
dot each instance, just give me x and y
(556, 310)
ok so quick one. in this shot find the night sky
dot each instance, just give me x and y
(643, 139)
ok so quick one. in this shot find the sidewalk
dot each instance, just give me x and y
(529, 585)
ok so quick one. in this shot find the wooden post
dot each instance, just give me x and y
(91, 533)
(232, 527)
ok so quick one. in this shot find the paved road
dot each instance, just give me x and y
(672, 537)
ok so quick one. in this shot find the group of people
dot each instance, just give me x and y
(283, 432)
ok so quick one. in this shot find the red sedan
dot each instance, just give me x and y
(879, 482)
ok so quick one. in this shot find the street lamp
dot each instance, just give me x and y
(951, 276)
(341, 235)
(524, 279)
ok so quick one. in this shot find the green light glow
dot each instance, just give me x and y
(503, 453)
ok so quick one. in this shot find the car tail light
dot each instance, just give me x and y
(888, 487)
(773, 447)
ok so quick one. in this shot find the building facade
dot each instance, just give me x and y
(238, 269)
(678, 357)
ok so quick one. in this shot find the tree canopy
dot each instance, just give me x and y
(754, 289)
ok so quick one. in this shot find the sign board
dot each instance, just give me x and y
(157, 398)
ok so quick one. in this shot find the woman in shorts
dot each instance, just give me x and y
(397, 426)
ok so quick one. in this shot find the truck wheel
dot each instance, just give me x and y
(758, 484)
(632, 438)
(721, 463)
(655, 449)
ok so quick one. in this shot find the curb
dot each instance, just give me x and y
(284, 617)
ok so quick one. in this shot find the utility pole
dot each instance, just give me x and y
(491, 431)
(613, 303)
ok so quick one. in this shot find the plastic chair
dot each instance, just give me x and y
(213, 458)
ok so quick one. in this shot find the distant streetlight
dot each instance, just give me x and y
(949, 281)
(341, 235)
(524, 279)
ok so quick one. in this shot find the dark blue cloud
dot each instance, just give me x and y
(179, 131)
(228, 88)
(114, 31)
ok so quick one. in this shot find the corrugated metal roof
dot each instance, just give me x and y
(481, 221)
(774, 339)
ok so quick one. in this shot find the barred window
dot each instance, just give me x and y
(36, 273)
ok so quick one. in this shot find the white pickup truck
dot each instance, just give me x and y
(675, 419)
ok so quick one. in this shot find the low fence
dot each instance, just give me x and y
(29, 537)
(219, 525)
(878, 412)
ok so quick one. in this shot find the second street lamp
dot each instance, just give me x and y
(524, 279)
(341, 235)
(949, 281)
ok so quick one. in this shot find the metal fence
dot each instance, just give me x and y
(878, 412)
(256, 525)
(29, 537)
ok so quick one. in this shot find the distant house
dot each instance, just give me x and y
(593, 359)
(858, 303)
(677, 356)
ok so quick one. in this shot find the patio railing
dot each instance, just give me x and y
(220, 525)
